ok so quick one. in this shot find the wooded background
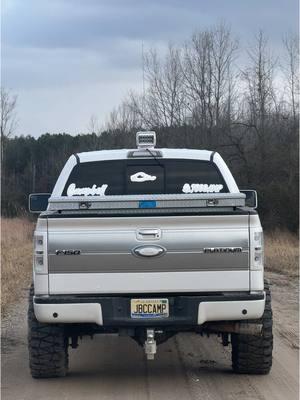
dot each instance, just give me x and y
(201, 95)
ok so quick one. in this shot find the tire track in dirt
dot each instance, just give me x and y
(187, 367)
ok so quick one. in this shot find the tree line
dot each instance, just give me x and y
(201, 94)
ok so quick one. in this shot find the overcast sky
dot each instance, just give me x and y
(69, 59)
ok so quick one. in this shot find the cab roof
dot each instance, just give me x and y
(100, 155)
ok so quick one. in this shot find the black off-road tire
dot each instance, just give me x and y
(47, 346)
(253, 354)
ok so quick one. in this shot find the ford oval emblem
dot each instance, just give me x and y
(149, 251)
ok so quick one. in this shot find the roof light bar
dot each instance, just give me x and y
(145, 139)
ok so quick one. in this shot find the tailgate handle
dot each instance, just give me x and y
(149, 233)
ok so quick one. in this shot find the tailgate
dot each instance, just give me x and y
(203, 253)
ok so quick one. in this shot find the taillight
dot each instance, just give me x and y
(40, 254)
(257, 250)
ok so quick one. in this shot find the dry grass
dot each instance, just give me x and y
(16, 259)
(282, 253)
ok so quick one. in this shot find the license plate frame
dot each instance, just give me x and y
(143, 308)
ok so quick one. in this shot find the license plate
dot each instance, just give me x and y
(149, 308)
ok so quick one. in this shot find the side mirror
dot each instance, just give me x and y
(251, 198)
(38, 202)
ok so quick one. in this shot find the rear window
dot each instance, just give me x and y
(151, 176)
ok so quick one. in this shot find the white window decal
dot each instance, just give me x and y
(201, 188)
(142, 177)
(86, 191)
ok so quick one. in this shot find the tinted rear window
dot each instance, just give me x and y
(161, 176)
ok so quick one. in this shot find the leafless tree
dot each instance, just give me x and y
(291, 71)
(207, 67)
(139, 106)
(197, 69)
(256, 122)
(8, 113)
(259, 79)
(93, 124)
(224, 48)
(163, 101)
(8, 117)
(127, 116)
(165, 97)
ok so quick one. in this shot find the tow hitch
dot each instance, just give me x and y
(150, 344)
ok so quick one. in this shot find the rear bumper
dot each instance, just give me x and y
(114, 311)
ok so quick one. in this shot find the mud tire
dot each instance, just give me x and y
(47, 346)
(253, 354)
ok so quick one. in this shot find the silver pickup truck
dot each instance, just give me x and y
(148, 242)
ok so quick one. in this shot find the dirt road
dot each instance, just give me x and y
(186, 367)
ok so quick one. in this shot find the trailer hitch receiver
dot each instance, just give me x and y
(150, 344)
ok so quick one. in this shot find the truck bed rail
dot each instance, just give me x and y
(147, 202)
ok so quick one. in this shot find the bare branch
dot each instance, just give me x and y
(8, 113)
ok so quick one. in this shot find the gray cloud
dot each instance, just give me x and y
(76, 24)
(57, 48)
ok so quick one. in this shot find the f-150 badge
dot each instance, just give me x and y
(142, 177)
(67, 252)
